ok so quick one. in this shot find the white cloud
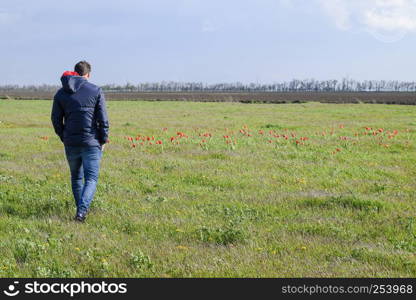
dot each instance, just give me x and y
(387, 20)
(392, 15)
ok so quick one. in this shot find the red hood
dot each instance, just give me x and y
(70, 73)
(72, 82)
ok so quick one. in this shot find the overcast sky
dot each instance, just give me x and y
(210, 41)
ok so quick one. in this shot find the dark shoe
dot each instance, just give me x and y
(80, 217)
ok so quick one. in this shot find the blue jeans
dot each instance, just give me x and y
(84, 163)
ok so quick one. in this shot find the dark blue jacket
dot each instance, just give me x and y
(79, 114)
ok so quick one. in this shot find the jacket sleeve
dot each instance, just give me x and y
(102, 119)
(57, 117)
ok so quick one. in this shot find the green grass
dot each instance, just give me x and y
(249, 209)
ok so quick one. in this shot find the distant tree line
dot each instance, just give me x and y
(295, 85)
(28, 88)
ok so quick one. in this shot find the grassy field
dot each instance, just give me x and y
(241, 190)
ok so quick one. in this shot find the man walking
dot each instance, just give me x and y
(79, 117)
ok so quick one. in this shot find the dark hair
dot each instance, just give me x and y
(82, 68)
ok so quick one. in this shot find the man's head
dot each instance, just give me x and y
(83, 68)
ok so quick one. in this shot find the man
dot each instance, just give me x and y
(79, 117)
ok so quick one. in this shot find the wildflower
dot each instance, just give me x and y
(336, 150)
(301, 180)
